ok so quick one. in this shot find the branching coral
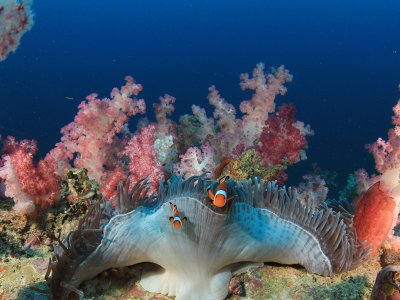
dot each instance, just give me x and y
(264, 224)
(16, 19)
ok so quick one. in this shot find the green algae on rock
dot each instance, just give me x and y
(248, 165)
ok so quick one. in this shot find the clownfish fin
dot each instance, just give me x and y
(210, 193)
(184, 219)
(171, 219)
(223, 179)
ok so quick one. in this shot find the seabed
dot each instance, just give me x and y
(22, 268)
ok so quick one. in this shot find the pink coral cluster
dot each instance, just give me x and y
(92, 136)
(262, 103)
(90, 141)
(230, 136)
(98, 139)
(312, 190)
(30, 186)
(142, 157)
(196, 161)
(387, 153)
(16, 18)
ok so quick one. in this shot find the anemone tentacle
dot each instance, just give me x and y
(264, 223)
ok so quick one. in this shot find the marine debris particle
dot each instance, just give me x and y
(199, 260)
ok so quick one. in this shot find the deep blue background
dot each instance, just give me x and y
(344, 55)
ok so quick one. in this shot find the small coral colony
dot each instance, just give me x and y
(202, 197)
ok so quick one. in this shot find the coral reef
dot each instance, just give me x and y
(99, 140)
(199, 259)
(106, 230)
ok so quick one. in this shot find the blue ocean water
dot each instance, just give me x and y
(344, 55)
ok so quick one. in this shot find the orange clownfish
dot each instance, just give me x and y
(176, 220)
(220, 198)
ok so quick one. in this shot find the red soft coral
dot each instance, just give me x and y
(281, 141)
(109, 187)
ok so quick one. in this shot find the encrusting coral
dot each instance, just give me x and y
(247, 165)
(263, 224)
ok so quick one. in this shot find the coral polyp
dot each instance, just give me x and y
(263, 224)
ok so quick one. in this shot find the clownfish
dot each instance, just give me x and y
(220, 198)
(176, 220)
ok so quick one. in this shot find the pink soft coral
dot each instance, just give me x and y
(262, 103)
(230, 136)
(92, 135)
(165, 144)
(380, 204)
(196, 161)
(312, 190)
(16, 19)
(28, 185)
(142, 158)
(387, 153)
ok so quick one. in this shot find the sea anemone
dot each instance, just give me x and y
(263, 223)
